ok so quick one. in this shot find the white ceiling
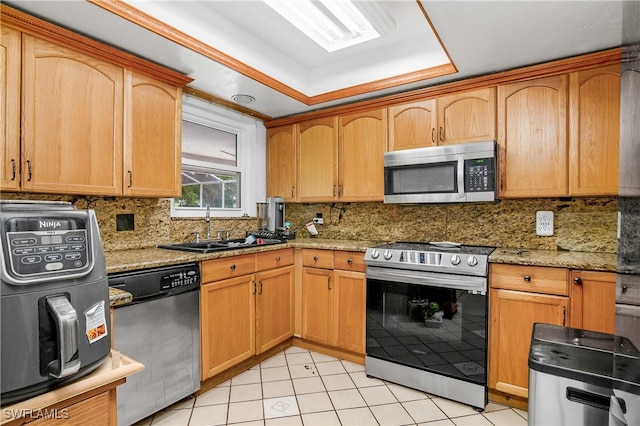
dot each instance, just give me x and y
(480, 37)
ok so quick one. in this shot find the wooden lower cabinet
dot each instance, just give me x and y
(334, 301)
(227, 324)
(98, 410)
(248, 314)
(593, 300)
(274, 307)
(317, 304)
(511, 318)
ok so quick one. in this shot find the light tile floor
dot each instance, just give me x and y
(301, 387)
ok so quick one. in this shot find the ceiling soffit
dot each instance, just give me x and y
(156, 26)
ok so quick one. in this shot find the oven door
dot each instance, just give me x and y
(430, 321)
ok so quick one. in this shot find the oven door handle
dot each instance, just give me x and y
(458, 282)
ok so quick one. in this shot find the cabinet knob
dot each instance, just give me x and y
(624, 288)
(277, 258)
(527, 278)
(577, 281)
(233, 267)
(349, 261)
(315, 258)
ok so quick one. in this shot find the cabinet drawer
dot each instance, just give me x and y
(221, 269)
(317, 258)
(349, 261)
(538, 279)
(274, 259)
(91, 411)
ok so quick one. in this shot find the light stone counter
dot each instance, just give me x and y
(560, 259)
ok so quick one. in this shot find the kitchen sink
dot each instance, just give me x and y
(211, 246)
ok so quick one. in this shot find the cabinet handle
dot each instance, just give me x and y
(260, 291)
(527, 278)
(29, 170)
(13, 169)
(441, 134)
(577, 281)
(130, 178)
(293, 192)
(329, 282)
(433, 135)
(564, 315)
(254, 287)
(315, 258)
(349, 261)
(501, 182)
(277, 258)
(334, 190)
(339, 190)
(624, 289)
(233, 267)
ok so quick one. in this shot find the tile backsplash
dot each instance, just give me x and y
(584, 224)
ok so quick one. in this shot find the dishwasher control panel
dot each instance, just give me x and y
(180, 278)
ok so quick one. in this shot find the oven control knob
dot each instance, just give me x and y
(455, 259)
(375, 254)
(387, 254)
(472, 261)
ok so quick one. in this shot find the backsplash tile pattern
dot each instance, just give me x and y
(585, 224)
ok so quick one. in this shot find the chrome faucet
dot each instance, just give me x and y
(207, 219)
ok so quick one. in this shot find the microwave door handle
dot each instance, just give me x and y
(460, 177)
(66, 321)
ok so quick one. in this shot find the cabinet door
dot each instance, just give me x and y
(467, 117)
(362, 142)
(317, 160)
(593, 301)
(10, 108)
(349, 293)
(153, 141)
(594, 137)
(227, 321)
(274, 307)
(72, 143)
(412, 125)
(317, 304)
(281, 162)
(532, 138)
(512, 315)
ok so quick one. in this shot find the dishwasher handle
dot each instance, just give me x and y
(66, 322)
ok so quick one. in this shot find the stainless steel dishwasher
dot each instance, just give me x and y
(161, 329)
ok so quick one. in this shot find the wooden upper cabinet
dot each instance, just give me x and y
(532, 138)
(317, 160)
(281, 162)
(362, 142)
(412, 125)
(10, 46)
(467, 117)
(71, 143)
(594, 135)
(153, 137)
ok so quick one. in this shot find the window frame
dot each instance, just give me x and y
(251, 156)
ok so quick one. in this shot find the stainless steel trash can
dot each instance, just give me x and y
(572, 378)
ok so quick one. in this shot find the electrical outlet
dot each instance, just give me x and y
(318, 221)
(544, 223)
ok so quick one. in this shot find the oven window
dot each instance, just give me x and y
(420, 179)
(431, 328)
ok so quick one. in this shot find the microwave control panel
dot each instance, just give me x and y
(40, 247)
(479, 175)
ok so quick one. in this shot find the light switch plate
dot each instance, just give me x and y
(544, 223)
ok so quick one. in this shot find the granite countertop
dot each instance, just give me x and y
(560, 259)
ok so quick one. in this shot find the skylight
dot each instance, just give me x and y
(333, 24)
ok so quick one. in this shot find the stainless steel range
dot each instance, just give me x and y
(427, 318)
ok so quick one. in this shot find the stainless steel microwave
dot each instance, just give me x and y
(441, 174)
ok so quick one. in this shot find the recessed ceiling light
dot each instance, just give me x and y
(335, 24)
(243, 99)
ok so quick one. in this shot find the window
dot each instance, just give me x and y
(223, 162)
